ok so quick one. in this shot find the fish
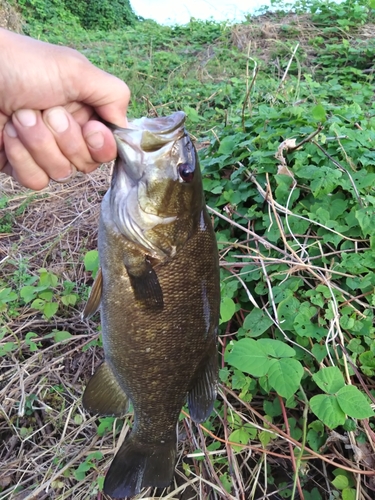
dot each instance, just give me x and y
(158, 291)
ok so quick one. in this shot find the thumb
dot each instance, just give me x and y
(107, 94)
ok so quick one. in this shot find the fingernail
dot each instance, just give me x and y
(95, 140)
(26, 117)
(58, 120)
(73, 172)
(10, 130)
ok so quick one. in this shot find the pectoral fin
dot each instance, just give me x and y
(145, 284)
(202, 395)
(104, 395)
(93, 303)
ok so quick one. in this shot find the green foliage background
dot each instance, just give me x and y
(294, 220)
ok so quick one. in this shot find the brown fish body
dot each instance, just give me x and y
(160, 302)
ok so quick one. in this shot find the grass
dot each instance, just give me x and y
(283, 110)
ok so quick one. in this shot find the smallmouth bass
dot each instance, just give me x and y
(159, 297)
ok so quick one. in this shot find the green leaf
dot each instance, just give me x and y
(59, 336)
(319, 113)
(327, 409)
(227, 309)
(257, 322)
(248, 356)
(28, 293)
(272, 408)
(47, 279)
(228, 145)
(226, 481)
(276, 348)
(285, 376)
(91, 261)
(287, 310)
(38, 304)
(366, 219)
(7, 295)
(330, 379)
(50, 308)
(239, 436)
(354, 403)
(69, 300)
(192, 114)
(340, 482)
(319, 351)
(349, 494)
(46, 295)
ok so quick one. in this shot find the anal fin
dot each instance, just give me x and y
(104, 395)
(93, 302)
(202, 395)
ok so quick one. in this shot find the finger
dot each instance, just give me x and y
(100, 141)
(69, 139)
(40, 143)
(4, 165)
(86, 147)
(20, 163)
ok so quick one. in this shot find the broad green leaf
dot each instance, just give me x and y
(91, 260)
(257, 322)
(228, 144)
(192, 114)
(50, 308)
(47, 279)
(304, 326)
(7, 295)
(340, 482)
(69, 300)
(312, 495)
(46, 295)
(349, 494)
(239, 436)
(227, 309)
(325, 181)
(315, 440)
(276, 348)
(319, 113)
(285, 376)
(354, 403)
(226, 481)
(366, 219)
(327, 409)
(330, 379)
(287, 311)
(319, 351)
(28, 293)
(98, 455)
(59, 336)
(248, 356)
(38, 304)
(106, 424)
(272, 408)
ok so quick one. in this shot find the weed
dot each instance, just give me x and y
(284, 107)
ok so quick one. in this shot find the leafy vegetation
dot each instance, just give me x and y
(284, 112)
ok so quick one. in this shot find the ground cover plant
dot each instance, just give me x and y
(282, 107)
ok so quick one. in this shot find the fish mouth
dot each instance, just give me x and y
(139, 148)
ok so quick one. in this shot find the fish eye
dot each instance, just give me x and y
(186, 172)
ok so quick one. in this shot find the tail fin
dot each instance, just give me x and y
(138, 465)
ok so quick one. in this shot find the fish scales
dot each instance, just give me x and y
(159, 312)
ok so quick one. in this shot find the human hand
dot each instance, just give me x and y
(50, 99)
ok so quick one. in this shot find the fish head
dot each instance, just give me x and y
(156, 192)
